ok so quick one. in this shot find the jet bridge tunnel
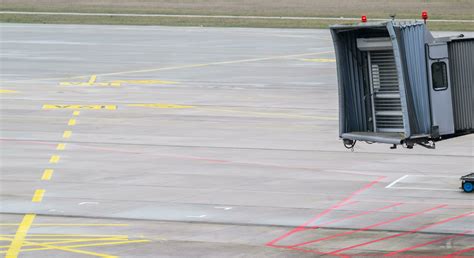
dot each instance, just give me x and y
(399, 85)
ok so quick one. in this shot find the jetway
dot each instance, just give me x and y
(399, 85)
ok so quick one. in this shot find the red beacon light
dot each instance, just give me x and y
(424, 15)
(363, 18)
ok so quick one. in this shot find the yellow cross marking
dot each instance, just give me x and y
(76, 113)
(71, 122)
(43, 242)
(61, 146)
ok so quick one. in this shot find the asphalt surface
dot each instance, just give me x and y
(206, 142)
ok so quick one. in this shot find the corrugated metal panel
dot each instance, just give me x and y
(353, 111)
(461, 53)
(401, 75)
(412, 50)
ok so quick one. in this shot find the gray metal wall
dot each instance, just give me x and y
(412, 50)
(461, 53)
(353, 113)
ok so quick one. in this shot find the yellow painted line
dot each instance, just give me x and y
(61, 146)
(71, 122)
(38, 196)
(67, 134)
(92, 79)
(76, 113)
(54, 159)
(20, 235)
(182, 66)
(319, 60)
(159, 105)
(65, 224)
(47, 174)
(59, 106)
(7, 91)
(216, 63)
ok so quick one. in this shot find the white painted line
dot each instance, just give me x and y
(224, 208)
(82, 203)
(427, 189)
(396, 181)
(221, 16)
(200, 216)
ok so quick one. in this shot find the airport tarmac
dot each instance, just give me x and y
(123, 141)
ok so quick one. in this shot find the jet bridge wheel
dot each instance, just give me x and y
(467, 187)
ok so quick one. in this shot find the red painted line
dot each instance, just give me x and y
(371, 226)
(405, 233)
(312, 220)
(455, 254)
(355, 216)
(427, 243)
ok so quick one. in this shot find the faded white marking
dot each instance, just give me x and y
(200, 216)
(224, 208)
(83, 203)
(396, 181)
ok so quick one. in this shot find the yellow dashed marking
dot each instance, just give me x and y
(144, 82)
(54, 159)
(71, 122)
(57, 106)
(38, 196)
(7, 91)
(158, 105)
(47, 174)
(76, 113)
(67, 134)
(319, 60)
(61, 146)
(20, 235)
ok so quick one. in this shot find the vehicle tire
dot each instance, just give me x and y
(467, 187)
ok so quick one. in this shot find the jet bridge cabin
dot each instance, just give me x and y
(400, 85)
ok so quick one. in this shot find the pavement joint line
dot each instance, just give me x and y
(67, 134)
(20, 236)
(47, 174)
(38, 195)
(54, 159)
